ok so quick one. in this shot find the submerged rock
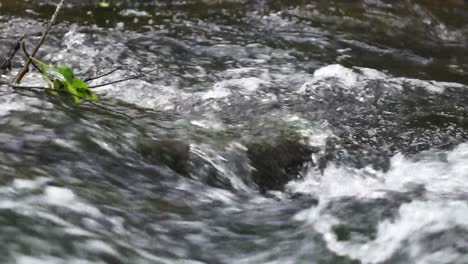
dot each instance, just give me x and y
(278, 160)
(172, 153)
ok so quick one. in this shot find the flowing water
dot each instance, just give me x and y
(261, 132)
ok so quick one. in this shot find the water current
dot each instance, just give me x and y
(262, 131)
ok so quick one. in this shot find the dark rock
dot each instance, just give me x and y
(172, 153)
(342, 232)
(278, 160)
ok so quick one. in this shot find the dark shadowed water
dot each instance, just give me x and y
(264, 132)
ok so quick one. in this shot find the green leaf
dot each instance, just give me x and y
(83, 90)
(61, 78)
(79, 84)
(72, 90)
(66, 72)
(44, 68)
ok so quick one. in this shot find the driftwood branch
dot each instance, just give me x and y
(25, 68)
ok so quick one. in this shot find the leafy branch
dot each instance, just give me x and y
(51, 90)
(59, 79)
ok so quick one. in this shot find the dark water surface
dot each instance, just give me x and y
(270, 132)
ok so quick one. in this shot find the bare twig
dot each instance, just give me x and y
(31, 87)
(25, 68)
(102, 75)
(6, 64)
(118, 81)
(25, 51)
(123, 80)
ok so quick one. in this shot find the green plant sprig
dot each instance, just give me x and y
(60, 78)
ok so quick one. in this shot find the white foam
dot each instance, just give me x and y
(346, 76)
(21, 259)
(134, 13)
(100, 247)
(335, 72)
(212, 123)
(316, 133)
(371, 73)
(76, 53)
(222, 165)
(243, 86)
(64, 197)
(238, 72)
(217, 92)
(358, 77)
(439, 176)
(444, 176)
(29, 184)
(73, 39)
(147, 95)
(406, 233)
(58, 196)
(433, 87)
(338, 182)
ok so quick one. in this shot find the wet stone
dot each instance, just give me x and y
(172, 153)
(278, 161)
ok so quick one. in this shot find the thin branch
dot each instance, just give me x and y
(14, 86)
(102, 75)
(114, 82)
(122, 80)
(25, 51)
(25, 68)
(6, 64)
(31, 87)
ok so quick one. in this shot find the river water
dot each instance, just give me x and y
(262, 132)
